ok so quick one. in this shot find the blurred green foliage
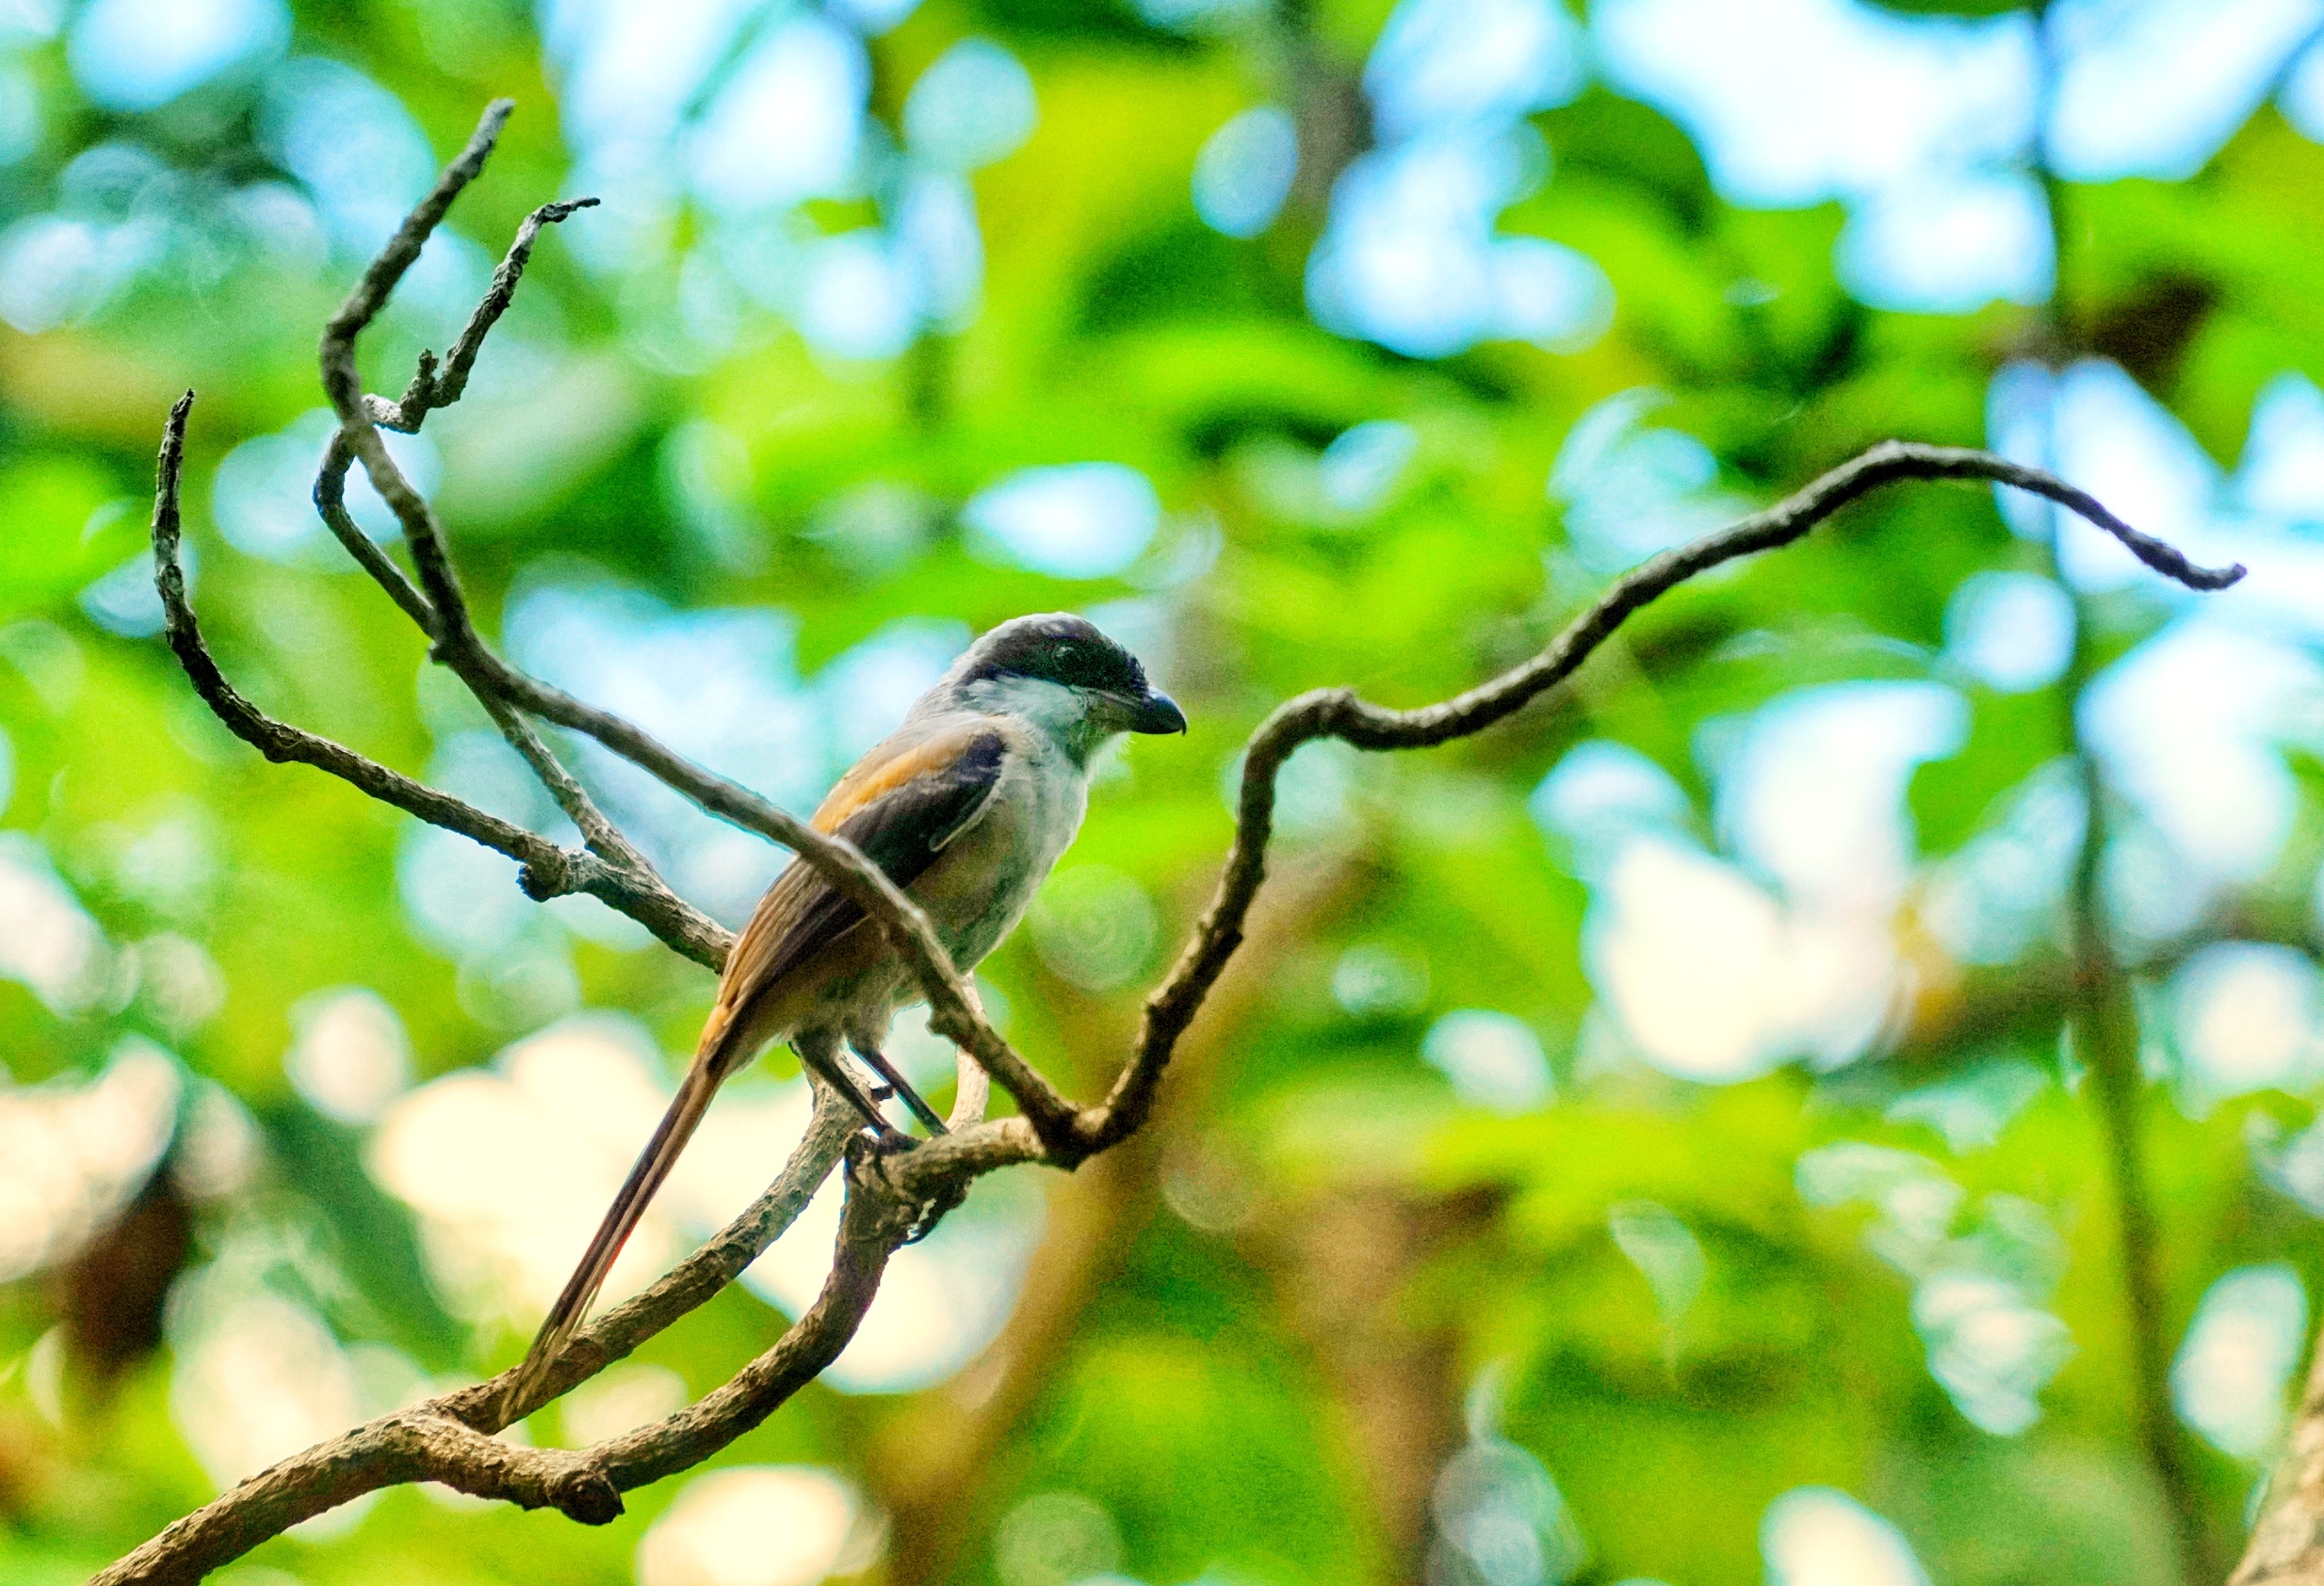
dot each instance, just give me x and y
(1258, 1381)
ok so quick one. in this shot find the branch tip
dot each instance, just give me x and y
(587, 1495)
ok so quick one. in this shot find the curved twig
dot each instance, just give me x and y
(432, 386)
(1340, 713)
(939, 1168)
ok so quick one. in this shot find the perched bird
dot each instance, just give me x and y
(965, 806)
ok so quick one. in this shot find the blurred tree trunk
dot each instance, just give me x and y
(1344, 1261)
(932, 1468)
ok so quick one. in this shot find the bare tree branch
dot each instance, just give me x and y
(330, 503)
(442, 613)
(449, 1439)
(939, 1168)
(547, 871)
(440, 388)
(1339, 713)
(378, 1454)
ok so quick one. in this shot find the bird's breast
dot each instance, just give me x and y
(980, 888)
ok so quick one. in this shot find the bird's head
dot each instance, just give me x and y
(1058, 672)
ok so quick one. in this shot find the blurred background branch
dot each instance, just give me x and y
(2103, 1018)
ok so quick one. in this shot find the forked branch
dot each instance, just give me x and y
(449, 1439)
(440, 607)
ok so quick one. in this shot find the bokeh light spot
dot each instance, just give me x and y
(1364, 462)
(1372, 979)
(1055, 1538)
(2238, 1357)
(1494, 1060)
(1244, 172)
(1075, 520)
(47, 942)
(759, 1524)
(786, 125)
(972, 107)
(2013, 632)
(349, 1059)
(2246, 1017)
(136, 55)
(1814, 1536)
(1094, 927)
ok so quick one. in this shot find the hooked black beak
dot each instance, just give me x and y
(1154, 712)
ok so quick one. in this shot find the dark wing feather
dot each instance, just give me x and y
(901, 820)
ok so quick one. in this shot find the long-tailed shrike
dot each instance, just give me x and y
(965, 806)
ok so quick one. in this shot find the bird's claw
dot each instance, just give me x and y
(931, 1212)
(887, 1140)
(871, 1146)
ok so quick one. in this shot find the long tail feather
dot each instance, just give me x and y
(653, 1166)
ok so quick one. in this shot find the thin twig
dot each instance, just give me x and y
(602, 836)
(330, 503)
(431, 388)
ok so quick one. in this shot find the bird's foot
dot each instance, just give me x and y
(893, 1083)
(866, 1153)
(932, 1212)
(887, 1140)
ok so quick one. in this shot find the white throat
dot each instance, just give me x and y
(1058, 711)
